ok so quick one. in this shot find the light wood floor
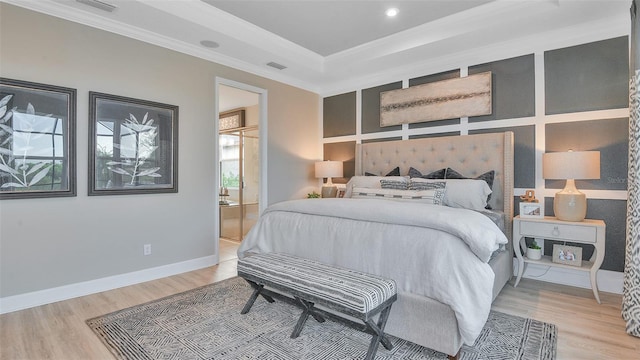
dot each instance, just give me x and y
(586, 330)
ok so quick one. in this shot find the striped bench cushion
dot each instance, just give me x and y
(358, 291)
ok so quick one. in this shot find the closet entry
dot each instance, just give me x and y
(239, 165)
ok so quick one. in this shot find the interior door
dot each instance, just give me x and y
(251, 178)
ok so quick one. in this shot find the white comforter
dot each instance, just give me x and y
(429, 250)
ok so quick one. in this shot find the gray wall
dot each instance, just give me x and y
(46, 243)
(578, 79)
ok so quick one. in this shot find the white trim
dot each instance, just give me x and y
(47, 296)
(608, 281)
(262, 131)
(591, 194)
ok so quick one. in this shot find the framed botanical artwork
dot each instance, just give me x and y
(37, 140)
(531, 210)
(133, 146)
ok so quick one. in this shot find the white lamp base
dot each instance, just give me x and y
(570, 204)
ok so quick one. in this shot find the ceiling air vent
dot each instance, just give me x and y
(98, 4)
(276, 65)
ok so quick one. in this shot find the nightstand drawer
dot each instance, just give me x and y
(564, 232)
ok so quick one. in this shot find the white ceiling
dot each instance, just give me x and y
(331, 45)
(328, 27)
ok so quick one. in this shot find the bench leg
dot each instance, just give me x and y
(257, 290)
(379, 336)
(308, 310)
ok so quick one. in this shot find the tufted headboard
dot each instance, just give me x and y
(470, 155)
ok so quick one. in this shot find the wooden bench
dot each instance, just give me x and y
(348, 292)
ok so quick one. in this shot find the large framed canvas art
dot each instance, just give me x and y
(133, 146)
(37, 140)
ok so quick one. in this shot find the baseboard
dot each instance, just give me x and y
(47, 296)
(608, 281)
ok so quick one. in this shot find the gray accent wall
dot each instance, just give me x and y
(339, 115)
(578, 79)
(609, 136)
(512, 88)
(371, 108)
(585, 77)
(345, 152)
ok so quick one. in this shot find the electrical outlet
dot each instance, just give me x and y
(147, 249)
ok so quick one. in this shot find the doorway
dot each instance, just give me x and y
(241, 159)
(239, 169)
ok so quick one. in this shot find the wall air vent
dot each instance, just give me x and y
(276, 65)
(98, 5)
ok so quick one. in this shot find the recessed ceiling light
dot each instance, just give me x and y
(209, 44)
(391, 12)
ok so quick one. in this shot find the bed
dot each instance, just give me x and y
(449, 262)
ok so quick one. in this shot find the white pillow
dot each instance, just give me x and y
(370, 182)
(463, 193)
(433, 196)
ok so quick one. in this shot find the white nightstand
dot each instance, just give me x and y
(587, 231)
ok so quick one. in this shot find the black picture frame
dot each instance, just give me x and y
(133, 146)
(37, 140)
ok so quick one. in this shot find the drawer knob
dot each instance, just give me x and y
(556, 231)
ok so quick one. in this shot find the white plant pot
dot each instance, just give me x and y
(534, 254)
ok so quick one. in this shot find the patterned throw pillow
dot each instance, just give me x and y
(394, 172)
(393, 184)
(434, 196)
(438, 174)
(461, 193)
(414, 185)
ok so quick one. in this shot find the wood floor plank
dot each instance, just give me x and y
(586, 330)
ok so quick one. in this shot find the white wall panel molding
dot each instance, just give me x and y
(587, 115)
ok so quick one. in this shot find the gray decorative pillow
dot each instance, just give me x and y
(394, 172)
(393, 184)
(438, 174)
(427, 185)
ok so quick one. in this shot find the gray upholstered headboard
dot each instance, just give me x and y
(470, 155)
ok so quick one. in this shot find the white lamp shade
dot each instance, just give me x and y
(328, 169)
(571, 165)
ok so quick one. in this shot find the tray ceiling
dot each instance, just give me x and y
(329, 45)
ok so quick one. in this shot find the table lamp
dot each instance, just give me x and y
(329, 169)
(570, 204)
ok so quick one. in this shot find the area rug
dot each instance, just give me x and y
(205, 323)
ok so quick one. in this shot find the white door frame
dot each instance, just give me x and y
(262, 141)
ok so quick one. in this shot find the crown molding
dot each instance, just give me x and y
(65, 12)
(601, 29)
(205, 15)
(426, 49)
(442, 29)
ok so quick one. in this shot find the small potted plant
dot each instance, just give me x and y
(313, 195)
(533, 251)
